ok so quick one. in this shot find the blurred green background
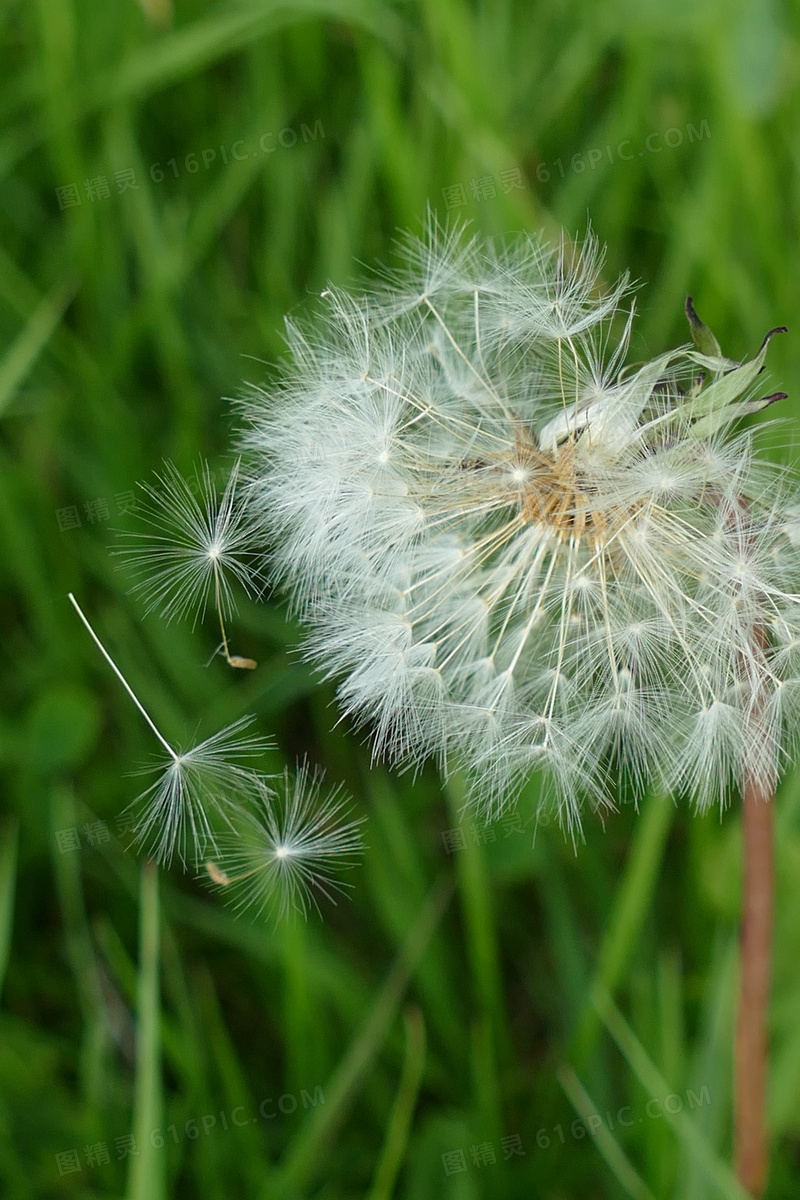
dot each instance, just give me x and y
(172, 183)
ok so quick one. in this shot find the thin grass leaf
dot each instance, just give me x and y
(399, 1127)
(719, 1175)
(8, 880)
(632, 902)
(147, 1176)
(21, 355)
(81, 954)
(606, 1143)
(476, 898)
(305, 1156)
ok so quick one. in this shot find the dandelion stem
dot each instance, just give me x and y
(750, 1133)
(121, 677)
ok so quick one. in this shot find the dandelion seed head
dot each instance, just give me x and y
(515, 553)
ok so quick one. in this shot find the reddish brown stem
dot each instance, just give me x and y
(750, 1135)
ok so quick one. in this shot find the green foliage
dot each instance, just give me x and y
(273, 147)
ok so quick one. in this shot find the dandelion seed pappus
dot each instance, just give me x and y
(191, 550)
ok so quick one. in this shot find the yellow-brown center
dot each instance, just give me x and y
(554, 494)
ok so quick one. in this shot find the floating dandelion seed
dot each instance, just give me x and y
(195, 787)
(288, 852)
(202, 545)
(514, 553)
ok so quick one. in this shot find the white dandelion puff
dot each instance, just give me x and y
(516, 554)
(197, 790)
(287, 852)
(198, 547)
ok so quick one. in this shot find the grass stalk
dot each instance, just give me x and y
(750, 1133)
(146, 1178)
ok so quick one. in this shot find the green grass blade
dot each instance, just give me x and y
(305, 1155)
(631, 906)
(606, 1143)
(476, 897)
(712, 1060)
(399, 1126)
(719, 1175)
(80, 954)
(203, 42)
(23, 352)
(147, 1172)
(8, 880)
